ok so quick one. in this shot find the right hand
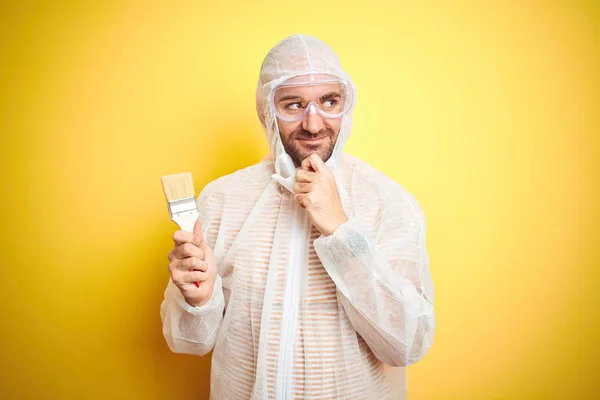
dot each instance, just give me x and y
(192, 260)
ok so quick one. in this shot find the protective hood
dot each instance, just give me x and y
(293, 56)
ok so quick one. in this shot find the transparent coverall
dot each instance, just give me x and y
(295, 314)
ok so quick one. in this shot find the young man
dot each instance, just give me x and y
(312, 265)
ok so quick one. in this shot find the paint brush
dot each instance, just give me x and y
(179, 191)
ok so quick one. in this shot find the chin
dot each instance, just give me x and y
(320, 150)
(324, 158)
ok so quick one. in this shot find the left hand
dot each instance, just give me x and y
(316, 192)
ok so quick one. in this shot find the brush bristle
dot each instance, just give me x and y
(178, 186)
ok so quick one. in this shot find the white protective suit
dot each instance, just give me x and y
(295, 314)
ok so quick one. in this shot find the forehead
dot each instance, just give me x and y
(308, 91)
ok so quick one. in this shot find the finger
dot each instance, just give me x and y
(192, 263)
(187, 264)
(183, 277)
(180, 237)
(304, 176)
(198, 230)
(303, 187)
(317, 162)
(313, 162)
(299, 198)
(194, 276)
(307, 164)
(187, 250)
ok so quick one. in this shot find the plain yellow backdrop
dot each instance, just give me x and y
(487, 111)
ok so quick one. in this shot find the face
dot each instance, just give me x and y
(314, 133)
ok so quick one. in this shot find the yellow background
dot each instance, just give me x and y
(488, 112)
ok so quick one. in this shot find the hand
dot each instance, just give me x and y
(192, 260)
(316, 192)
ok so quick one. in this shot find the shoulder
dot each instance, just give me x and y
(243, 182)
(376, 188)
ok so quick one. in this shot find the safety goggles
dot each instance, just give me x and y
(326, 95)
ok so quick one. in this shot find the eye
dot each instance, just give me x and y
(329, 103)
(294, 106)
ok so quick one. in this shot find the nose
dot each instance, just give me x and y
(313, 122)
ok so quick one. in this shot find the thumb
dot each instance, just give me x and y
(198, 231)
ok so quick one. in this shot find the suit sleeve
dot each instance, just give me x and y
(383, 281)
(188, 329)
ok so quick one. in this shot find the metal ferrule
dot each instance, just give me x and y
(182, 206)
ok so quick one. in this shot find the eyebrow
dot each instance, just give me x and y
(331, 95)
(327, 96)
(289, 97)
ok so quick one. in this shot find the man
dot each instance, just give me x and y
(312, 265)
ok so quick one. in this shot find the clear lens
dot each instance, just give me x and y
(331, 98)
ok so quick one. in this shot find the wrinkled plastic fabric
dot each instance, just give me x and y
(295, 314)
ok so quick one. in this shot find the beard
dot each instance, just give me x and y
(299, 152)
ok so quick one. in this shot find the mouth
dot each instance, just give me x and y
(312, 140)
